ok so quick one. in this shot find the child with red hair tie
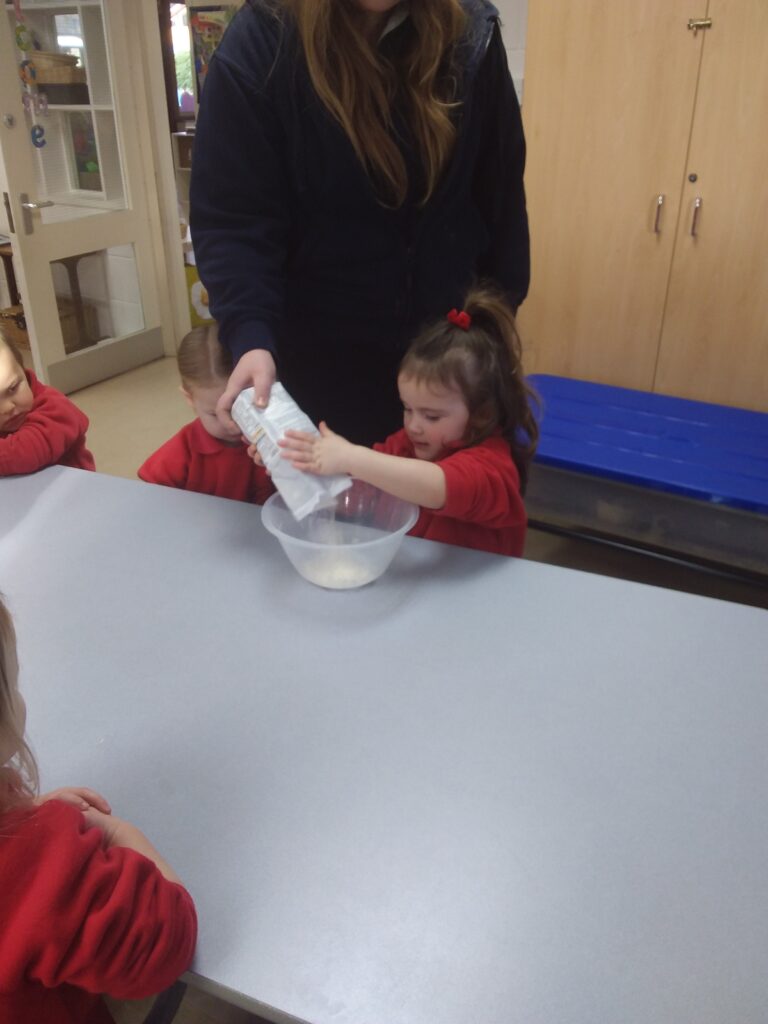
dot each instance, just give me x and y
(468, 432)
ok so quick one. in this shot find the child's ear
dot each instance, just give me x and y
(187, 395)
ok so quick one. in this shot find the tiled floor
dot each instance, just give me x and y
(132, 415)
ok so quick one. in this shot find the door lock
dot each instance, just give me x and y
(9, 120)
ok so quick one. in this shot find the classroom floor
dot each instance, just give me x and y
(133, 414)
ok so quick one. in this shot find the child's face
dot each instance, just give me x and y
(203, 401)
(15, 393)
(433, 416)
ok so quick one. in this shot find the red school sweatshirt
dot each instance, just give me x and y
(51, 434)
(77, 920)
(483, 507)
(193, 460)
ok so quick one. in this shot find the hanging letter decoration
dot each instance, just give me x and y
(38, 136)
(28, 72)
(23, 38)
(36, 103)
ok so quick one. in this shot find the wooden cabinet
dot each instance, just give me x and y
(636, 123)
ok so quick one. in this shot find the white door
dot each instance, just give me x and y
(84, 214)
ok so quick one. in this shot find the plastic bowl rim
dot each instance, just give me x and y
(357, 546)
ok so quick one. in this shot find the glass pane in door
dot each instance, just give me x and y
(98, 296)
(68, 98)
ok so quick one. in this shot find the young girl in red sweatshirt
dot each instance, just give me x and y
(205, 456)
(87, 904)
(39, 426)
(468, 432)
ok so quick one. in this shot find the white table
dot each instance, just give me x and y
(479, 790)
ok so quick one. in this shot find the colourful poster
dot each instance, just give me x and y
(199, 313)
(207, 25)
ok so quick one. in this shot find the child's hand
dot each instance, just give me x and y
(80, 797)
(253, 453)
(111, 828)
(323, 455)
(117, 832)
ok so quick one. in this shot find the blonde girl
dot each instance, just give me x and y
(468, 433)
(87, 904)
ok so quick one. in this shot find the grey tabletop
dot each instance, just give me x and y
(480, 789)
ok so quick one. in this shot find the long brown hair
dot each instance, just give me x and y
(484, 361)
(18, 775)
(358, 85)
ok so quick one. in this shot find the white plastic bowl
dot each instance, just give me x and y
(348, 545)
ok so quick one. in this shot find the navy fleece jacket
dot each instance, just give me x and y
(291, 240)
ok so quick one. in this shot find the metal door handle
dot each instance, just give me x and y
(695, 220)
(657, 218)
(696, 23)
(27, 206)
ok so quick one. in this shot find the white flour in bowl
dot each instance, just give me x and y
(334, 572)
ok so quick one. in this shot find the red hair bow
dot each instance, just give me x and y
(460, 319)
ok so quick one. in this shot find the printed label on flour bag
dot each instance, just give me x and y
(301, 492)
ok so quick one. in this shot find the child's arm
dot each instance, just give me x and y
(117, 832)
(119, 921)
(46, 434)
(410, 479)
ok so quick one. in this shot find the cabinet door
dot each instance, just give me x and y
(714, 345)
(608, 102)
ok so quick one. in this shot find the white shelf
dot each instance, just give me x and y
(78, 107)
(46, 5)
(87, 200)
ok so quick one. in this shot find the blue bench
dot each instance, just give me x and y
(667, 475)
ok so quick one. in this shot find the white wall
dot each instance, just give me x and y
(514, 18)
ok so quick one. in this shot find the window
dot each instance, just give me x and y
(189, 33)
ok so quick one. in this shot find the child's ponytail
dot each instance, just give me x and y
(478, 351)
(509, 400)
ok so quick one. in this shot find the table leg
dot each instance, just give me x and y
(71, 262)
(10, 275)
(166, 1005)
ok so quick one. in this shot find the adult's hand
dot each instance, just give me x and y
(256, 369)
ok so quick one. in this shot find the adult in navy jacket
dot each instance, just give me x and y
(320, 260)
